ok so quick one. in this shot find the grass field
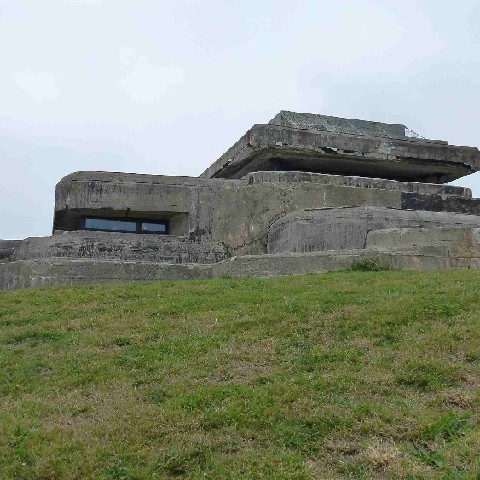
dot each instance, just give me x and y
(340, 375)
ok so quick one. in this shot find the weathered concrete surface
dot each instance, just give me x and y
(347, 228)
(232, 212)
(243, 216)
(359, 182)
(318, 262)
(185, 201)
(8, 249)
(325, 123)
(37, 273)
(443, 241)
(272, 147)
(406, 248)
(237, 213)
(113, 246)
(55, 271)
(265, 194)
(439, 203)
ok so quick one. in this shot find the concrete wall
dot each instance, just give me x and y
(185, 201)
(359, 182)
(318, 262)
(236, 213)
(243, 219)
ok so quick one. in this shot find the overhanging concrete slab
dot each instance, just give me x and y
(275, 147)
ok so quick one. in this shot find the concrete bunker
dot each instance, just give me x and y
(303, 193)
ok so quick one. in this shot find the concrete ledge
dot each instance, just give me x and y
(302, 263)
(38, 273)
(142, 178)
(84, 244)
(358, 182)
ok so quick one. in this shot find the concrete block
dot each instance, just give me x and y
(347, 228)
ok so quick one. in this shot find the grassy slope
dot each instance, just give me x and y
(340, 375)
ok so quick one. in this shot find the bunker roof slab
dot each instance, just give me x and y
(321, 144)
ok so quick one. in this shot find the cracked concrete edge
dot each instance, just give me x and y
(38, 273)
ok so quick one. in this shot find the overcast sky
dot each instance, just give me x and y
(165, 87)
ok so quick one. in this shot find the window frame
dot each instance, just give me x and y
(137, 221)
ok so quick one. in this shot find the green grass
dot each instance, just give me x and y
(359, 374)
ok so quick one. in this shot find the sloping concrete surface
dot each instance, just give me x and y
(347, 228)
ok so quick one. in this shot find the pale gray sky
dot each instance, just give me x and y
(165, 87)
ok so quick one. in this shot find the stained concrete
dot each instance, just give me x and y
(238, 213)
(319, 262)
(213, 219)
(235, 213)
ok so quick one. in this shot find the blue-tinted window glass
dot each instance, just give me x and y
(154, 227)
(113, 225)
